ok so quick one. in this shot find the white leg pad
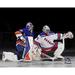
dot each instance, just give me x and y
(9, 56)
(59, 50)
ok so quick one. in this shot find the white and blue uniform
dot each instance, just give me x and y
(46, 41)
(47, 44)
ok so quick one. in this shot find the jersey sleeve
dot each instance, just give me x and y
(37, 40)
(58, 36)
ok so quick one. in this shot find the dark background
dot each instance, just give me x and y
(59, 19)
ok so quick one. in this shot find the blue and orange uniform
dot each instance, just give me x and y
(21, 46)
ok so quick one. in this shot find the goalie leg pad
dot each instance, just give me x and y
(59, 50)
(9, 56)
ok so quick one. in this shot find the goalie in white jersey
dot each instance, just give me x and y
(46, 41)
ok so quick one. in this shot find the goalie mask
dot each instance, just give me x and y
(29, 26)
(46, 29)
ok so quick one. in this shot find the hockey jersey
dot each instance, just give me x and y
(27, 32)
(47, 40)
(19, 34)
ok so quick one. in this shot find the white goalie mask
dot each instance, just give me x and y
(46, 29)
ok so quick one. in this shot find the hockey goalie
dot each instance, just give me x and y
(24, 44)
(27, 41)
(48, 41)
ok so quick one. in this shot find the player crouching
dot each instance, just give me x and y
(46, 41)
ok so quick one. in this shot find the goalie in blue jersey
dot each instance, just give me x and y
(22, 43)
